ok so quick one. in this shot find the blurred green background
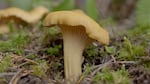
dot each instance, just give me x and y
(89, 5)
(111, 10)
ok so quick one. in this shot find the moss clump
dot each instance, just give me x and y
(40, 69)
(15, 43)
(5, 63)
(112, 77)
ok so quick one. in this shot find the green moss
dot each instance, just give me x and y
(112, 77)
(15, 43)
(5, 63)
(87, 70)
(50, 34)
(40, 69)
(54, 50)
(137, 45)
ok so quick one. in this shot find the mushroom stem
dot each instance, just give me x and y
(75, 40)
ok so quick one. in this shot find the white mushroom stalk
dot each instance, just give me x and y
(74, 40)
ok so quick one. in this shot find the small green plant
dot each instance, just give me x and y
(54, 50)
(112, 77)
(40, 69)
(110, 49)
(87, 70)
(52, 31)
(5, 63)
(91, 51)
(50, 35)
(130, 51)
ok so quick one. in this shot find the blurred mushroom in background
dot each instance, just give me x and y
(20, 17)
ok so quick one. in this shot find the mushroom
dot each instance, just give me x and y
(20, 16)
(78, 30)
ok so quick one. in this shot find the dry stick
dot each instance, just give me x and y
(127, 62)
(26, 73)
(80, 80)
(27, 62)
(16, 77)
(21, 64)
(31, 61)
(101, 66)
(26, 59)
(114, 59)
(7, 74)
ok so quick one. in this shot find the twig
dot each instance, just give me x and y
(80, 79)
(101, 66)
(126, 62)
(27, 72)
(16, 77)
(114, 59)
(23, 58)
(31, 61)
(22, 64)
(7, 74)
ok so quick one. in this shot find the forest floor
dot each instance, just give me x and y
(35, 56)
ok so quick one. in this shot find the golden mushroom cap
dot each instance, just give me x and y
(78, 18)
